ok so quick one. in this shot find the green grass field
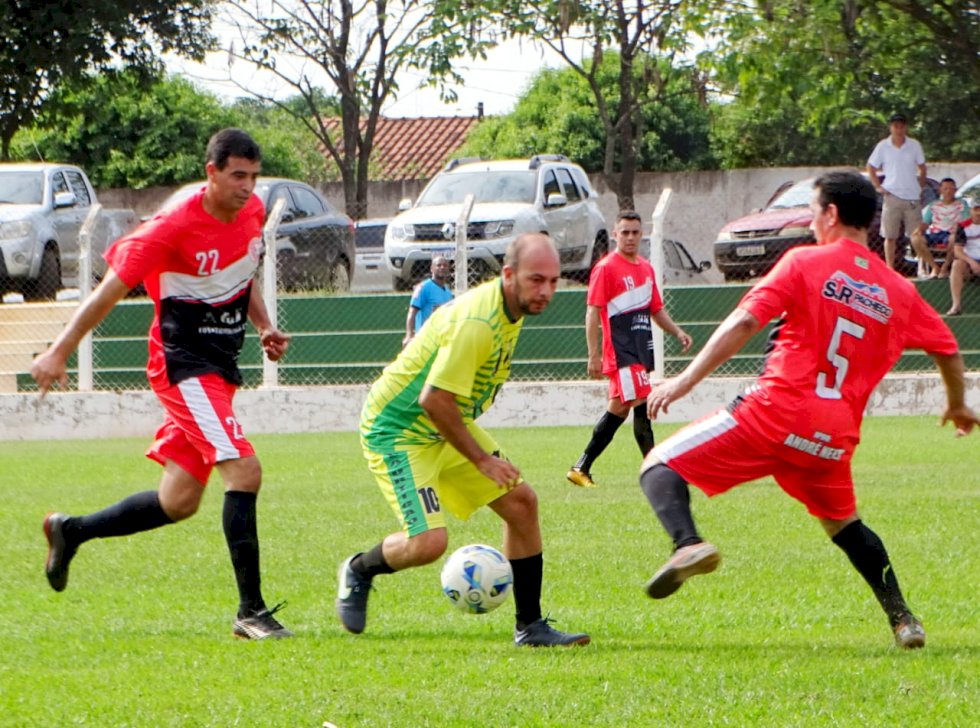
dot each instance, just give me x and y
(784, 634)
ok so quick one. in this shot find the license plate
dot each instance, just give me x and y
(744, 251)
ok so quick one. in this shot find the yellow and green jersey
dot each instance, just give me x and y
(464, 348)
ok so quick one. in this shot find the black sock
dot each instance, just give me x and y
(371, 563)
(527, 588)
(867, 552)
(241, 533)
(671, 500)
(602, 435)
(138, 512)
(642, 429)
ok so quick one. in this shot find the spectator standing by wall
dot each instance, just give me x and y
(427, 297)
(901, 161)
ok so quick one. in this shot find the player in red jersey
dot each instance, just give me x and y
(623, 300)
(844, 320)
(197, 262)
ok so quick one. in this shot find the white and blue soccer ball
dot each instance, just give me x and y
(477, 578)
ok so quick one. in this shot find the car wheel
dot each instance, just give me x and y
(48, 282)
(400, 284)
(338, 277)
(599, 249)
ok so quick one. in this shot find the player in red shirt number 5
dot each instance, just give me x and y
(844, 320)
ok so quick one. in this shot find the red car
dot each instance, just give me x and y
(751, 245)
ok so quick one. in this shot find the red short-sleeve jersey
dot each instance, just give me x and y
(198, 271)
(626, 294)
(845, 319)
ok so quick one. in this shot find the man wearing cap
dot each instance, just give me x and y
(897, 168)
(966, 257)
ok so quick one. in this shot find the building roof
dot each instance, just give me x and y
(414, 148)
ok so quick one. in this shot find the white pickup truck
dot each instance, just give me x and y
(42, 208)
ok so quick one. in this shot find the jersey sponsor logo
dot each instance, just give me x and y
(867, 298)
(813, 447)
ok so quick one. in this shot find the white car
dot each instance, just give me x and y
(546, 193)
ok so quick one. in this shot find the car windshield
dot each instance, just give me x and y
(798, 195)
(486, 186)
(21, 188)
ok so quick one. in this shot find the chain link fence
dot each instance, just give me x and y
(346, 327)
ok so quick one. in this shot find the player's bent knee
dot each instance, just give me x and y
(179, 508)
(428, 546)
(519, 505)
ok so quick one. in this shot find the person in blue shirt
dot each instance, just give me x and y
(427, 297)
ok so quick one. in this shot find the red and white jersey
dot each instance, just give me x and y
(627, 296)
(845, 320)
(198, 271)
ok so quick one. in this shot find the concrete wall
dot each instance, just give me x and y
(702, 201)
(336, 409)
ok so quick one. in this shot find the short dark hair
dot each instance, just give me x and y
(852, 194)
(629, 215)
(948, 179)
(231, 142)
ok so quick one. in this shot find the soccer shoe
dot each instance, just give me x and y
(909, 633)
(580, 478)
(687, 561)
(540, 633)
(352, 597)
(261, 625)
(59, 552)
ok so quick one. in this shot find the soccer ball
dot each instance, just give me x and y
(477, 578)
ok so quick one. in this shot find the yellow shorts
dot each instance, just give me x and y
(420, 481)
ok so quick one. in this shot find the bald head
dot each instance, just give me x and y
(531, 272)
(528, 247)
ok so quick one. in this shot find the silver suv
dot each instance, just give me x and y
(546, 193)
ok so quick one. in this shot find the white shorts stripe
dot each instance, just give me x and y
(694, 435)
(207, 420)
(627, 386)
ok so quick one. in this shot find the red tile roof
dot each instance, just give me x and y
(414, 148)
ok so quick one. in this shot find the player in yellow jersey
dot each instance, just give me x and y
(427, 453)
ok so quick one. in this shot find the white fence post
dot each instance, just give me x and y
(462, 259)
(657, 259)
(86, 377)
(270, 282)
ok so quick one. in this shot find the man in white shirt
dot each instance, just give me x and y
(897, 168)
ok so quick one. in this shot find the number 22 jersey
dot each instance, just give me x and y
(199, 271)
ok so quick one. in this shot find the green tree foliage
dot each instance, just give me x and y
(361, 48)
(50, 42)
(557, 114)
(646, 37)
(813, 82)
(129, 131)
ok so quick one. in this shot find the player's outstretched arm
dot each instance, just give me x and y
(957, 412)
(727, 340)
(50, 366)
